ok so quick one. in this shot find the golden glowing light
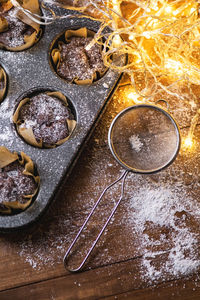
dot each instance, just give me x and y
(147, 34)
(163, 32)
(188, 143)
(174, 67)
(168, 9)
(175, 12)
(133, 97)
(131, 37)
(117, 40)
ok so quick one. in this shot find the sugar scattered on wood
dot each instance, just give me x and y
(157, 217)
(167, 209)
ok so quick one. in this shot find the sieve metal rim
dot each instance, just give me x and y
(139, 171)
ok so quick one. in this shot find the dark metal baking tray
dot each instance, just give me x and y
(30, 71)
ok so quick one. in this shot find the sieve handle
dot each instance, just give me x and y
(123, 176)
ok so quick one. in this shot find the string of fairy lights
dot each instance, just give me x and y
(161, 39)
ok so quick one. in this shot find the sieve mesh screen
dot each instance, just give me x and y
(144, 138)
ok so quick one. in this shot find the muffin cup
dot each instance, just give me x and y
(3, 79)
(6, 158)
(29, 40)
(27, 133)
(56, 55)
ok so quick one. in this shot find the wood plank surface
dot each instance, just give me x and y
(102, 282)
(119, 268)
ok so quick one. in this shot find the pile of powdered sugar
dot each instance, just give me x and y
(161, 218)
(136, 143)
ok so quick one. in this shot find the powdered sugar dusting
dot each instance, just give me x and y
(167, 209)
(15, 38)
(6, 133)
(158, 217)
(5, 110)
(136, 143)
(47, 248)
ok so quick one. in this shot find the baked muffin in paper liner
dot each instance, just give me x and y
(17, 200)
(15, 35)
(82, 60)
(3, 83)
(27, 131)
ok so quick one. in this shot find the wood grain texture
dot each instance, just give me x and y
(120, 280)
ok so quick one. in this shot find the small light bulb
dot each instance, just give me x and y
(168, 9)
(146, 35)
(192, 10)
(155, 7)
(174, 66)
(114, 2)
(175, 12)
(131, 37)
(117, 40)
(133, 96)
(116, 5)
(188, 142)
(88, 47)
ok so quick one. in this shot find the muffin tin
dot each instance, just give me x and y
(3, 83)
(29, 72)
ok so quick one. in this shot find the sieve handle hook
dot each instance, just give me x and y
(161, 102)
(123, 176)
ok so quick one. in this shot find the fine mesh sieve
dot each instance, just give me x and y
(144, 139)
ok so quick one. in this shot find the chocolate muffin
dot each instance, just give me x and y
(14, 185)
(78, 62)
(18, 181)
(47, 117)
(14, 33)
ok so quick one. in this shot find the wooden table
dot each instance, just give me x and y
(31, 262)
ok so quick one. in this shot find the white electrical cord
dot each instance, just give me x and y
(42, 20)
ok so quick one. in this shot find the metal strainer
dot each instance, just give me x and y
(144, 139)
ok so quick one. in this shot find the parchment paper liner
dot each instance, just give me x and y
(6, 158)
(29, 40)
(3, 78)
(27, 133)
(56, 56)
